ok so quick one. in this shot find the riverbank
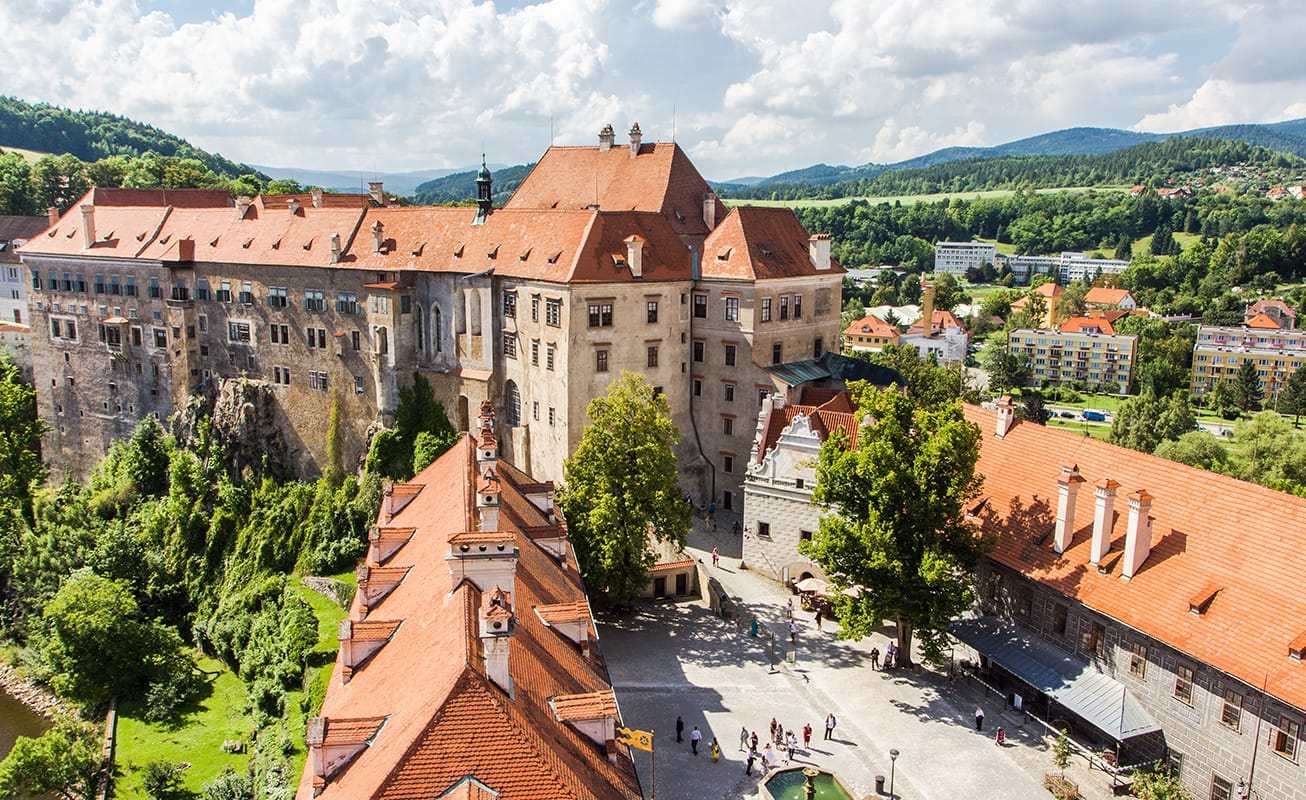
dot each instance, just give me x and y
(41, 701)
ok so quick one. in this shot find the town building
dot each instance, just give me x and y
(1102, 297)
(606, 259)
(1150, 607)
(1264, 313)
(945, 339)
(469, 664)
(1044, 297)
(956, 258)
(14, 343)
(14, 232)
(1067, 267)
(870, 334)
(1221, 350)
(1082, 351)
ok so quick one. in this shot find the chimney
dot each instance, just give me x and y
(335, 248)
(1067, 493)
(317, 198)
(487, 501)
(635, 137)
(606, 137)
(52, 214)
(487, 449)
(486, 558)
(496, 636)
(378, 237)
(1138, 536)
(486, 414)
(635, 255)
(293, 205)
(376, 190)
(818, 249)
(88, 226)
(709, 209)
(1103, 519)
(242, 205)
(1006, 415)
(927, 307)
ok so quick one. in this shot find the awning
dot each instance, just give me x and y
(1098, 699)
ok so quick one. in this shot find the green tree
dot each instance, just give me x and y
(65, 760)
(1033, 409)
(1062, 752)
(1273, 453)
(1143, 422)
(1071, 302)
(1292, 398)
(1124, 247)
(1007, 370)
(335, 469)
(418, 411)
(899, 528)
(1221, 400)
(20, 437)
(620, 488)
(929, 382)
(1159, 783)
(1247, 391)
(1196, 449)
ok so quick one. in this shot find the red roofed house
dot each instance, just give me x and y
(1049, 292)
(944, 337)
(469, 665)
(607, 258)
(1104, 297)
(1152, 607)
(869, 335)
(1278, 312)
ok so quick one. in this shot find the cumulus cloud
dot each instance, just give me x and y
(758, 86)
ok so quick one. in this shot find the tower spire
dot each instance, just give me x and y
(484, 194)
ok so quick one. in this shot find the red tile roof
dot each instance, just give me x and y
(757, 243)
(1262, 320)
(1208, 530)
(14, 230)
(871, 325)
(660, 179)
(1087, 325)
(445, 719)
(834, 413)
(1104, 296)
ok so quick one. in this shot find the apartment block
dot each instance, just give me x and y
(955, 258)
(1081, 353)
(1220, 352)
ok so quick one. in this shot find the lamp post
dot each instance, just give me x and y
(893, 761)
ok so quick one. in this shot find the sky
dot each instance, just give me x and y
(747, 87)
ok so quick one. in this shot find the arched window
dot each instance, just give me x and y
(437, 329)
(513, 400)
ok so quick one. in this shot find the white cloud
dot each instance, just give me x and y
(759, 86)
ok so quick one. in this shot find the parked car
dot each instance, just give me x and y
(1095, 416)
(1066, 414)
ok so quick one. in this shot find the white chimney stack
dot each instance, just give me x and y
(378, 236)
(606, 137)
(1006, 415)
(317, 198)
(635, 137)
(496, 629)
(1138, 537)
(293, 205)
(1067, 494)
(242, 205)
(635, 255)
(88, 226)
(1103, 519)
(818, 250)
(335, 248)
(488, 559)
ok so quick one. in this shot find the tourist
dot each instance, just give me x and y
(715, 750)
(818, 619)
(695, 736)
(752, 742)
(979, 718)
(830, 722)
(748, 763)
(875, 658)
(716, 558)
(680, 728)
(807, 735)
(743, 738)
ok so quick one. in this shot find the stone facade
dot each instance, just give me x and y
(778, 510)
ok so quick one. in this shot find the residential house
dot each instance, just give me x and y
(1102, 297)
(1082, 350)
(869, 334)
(1220, 352)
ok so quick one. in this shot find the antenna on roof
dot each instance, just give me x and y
(673, 123)
(550, 124)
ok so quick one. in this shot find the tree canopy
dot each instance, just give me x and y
(65, 760)
(620, 490)
(898, 530)
(1143, 422)
(20, 437)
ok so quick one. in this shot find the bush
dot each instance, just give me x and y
(230, 785)
(162, 779)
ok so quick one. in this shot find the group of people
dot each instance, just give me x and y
(890, 656)
(695, 737)
(781, 744)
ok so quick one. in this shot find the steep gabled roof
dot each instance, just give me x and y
(445, 719)
(660, 179)
(14, 230)
(1208, 530)
(1104, 296)
(1262, 320)
(758, 243)
(871, 325)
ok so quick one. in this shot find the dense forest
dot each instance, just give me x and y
(1167, 163)
(460, 187)
(106, 588)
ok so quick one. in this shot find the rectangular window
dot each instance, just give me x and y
(314, 300)
(553, 415)
(727, 464)
(161, 338)
(553, 313)
(278, 297)
(510, 345)
(548, 356)
(1232, 713)
(600, 360)
(698, 387)
(730, 392)
(380, 304)
(224, 292)
(777, 353)
(732, 309)
(115, 284)
(81, 283)
(1138, 660)
(652, 311)
(36, 280)
(535, 410)
(764, 530)
(1025, 602)
(700, 306)
(405, 304)
(728, 425)
(652, 356)
(280, 334)
(238, 331)
(798, 306)
(535, 353)
(56, 328)
(1284, 738)
(818, 347)
(318, 381)
(347, 302)
(155, 291)
(730, 355)
(246, 293)
(766, 309)
(1091, 640)
(316, 337)
(358, 385)
(535, 308)
(1221, 789)
(1183, 685)
(600, 315)
(99, 283)
(784, 307)
(510, 305)
(698, 351)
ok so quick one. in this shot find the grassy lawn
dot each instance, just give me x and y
(32, 156)
(303, 704)
(1109, 402)
(197, 738)
(1102, 432)
(912, 199)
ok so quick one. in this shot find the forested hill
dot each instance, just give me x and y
(461, 186)
(1170, 162)
(93, 135)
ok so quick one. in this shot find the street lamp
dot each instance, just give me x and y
(893, 760)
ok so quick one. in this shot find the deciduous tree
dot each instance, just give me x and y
(64, 760)
(1143, 422)
(1247, 391)
(898, 528)
(1292, 398)
(620, 490)
(20, 437)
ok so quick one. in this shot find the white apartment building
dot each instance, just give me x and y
(955, 258)
(1067, 267)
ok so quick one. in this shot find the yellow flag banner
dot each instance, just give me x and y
(640, 740)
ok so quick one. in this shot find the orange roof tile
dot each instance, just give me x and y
(821, 420)
(446, 720)
(1104, 296)
(1087, 325)
(1262, 320)
(564, 612)
(871, 325)
(585, 706)
(758, 243)
(1208, 530)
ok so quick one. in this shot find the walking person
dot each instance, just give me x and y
(818, 619)
(773, 727)
(875, 658)
(979, 718)
(748, 762)
(680, 728)
(789, 608)
(715, 750)
(1002, 737)
(793, 633)
(716, 558)
(830, 722)
(695, 736)
(743, 738)
(752, 743)
(807, 735)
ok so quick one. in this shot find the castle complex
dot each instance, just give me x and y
(607, 258)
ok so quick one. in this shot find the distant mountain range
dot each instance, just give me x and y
(1287, 137)
(400, 183)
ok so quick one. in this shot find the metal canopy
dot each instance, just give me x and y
(1098, 699)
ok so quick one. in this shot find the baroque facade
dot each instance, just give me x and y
(606, 259)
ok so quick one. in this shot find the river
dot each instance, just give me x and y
(17, 720)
